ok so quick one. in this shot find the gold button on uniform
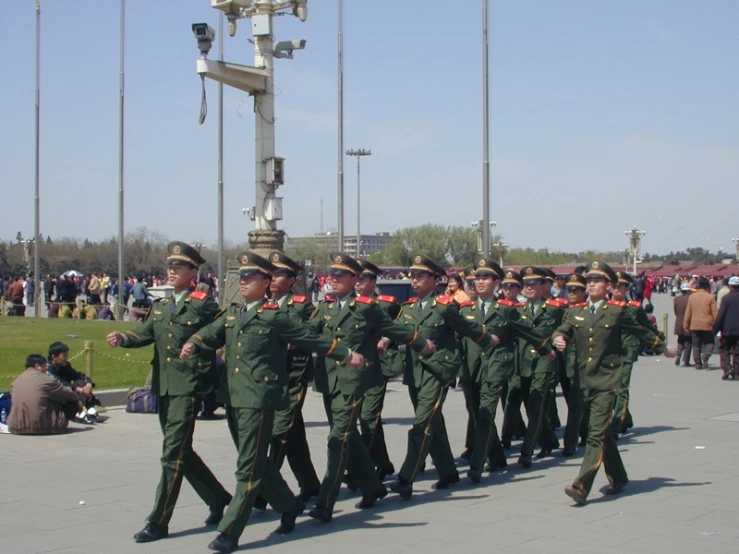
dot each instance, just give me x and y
(266, 379)
(236, 370)
(169, 335)
(238, 344)
(169, 359)
(238, 357)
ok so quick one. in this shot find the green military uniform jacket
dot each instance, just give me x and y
(358, 324)
(598, 342)
(439, 321)
(505, 322)
(256, 352)
(547, 317)
(299, 361)
(392, 362)
(570, 353)
(632, 343)
(169, 326)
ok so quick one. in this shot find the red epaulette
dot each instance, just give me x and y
(636, 304)
(386, 298)
(617, 303)
(579, 305)
(467, 304)
(364, 300)
(519, 304)
(199, 295)
(299, 298)
(444, 300)
(411, 300)
(553, 303)
(509, 303)
(562, 301)
(329, 298)
(270, 306)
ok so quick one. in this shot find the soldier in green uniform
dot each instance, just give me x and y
(576, 288)
(370, 417)
(537, 373)
(288, 435)
(484, 371)
(552, 410)
(469, 440)
(357, 322)
(622, 420)
(256, 335)
(180, 386)
(428, 377)
(596, 331)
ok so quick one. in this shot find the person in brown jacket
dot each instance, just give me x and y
(38, 401)
(699, 317)
(15, 292)
(680, 304)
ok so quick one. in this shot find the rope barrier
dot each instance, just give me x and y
(99, 353)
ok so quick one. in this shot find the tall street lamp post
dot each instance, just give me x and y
(358, 153)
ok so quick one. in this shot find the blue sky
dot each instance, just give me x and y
(604, 115)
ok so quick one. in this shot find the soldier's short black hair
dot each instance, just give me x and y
(35, 359)
(56, 348)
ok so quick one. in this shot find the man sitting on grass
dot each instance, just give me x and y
(39, 401)
(59, 368)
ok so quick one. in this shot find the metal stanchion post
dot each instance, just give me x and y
(89, 349)
(665, 318)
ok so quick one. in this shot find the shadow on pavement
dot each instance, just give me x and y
(648, 485)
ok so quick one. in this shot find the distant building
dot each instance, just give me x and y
(368, 244)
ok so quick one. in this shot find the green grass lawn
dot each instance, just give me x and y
(112, 368)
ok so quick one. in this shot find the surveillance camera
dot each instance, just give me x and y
(203, 31)
(300, 10)
(289, 45)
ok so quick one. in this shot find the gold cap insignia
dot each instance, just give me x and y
(337, 259)
(509, 274)
(573, 278)
(244, 259)
(482, 263)
(529, 271)
(417, 260)
(176, 249)
(595, 265)
(275, 257)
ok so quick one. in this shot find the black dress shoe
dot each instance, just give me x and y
(543, 453)
(506, 443)
(152, 532)
(578, 495)
(466, 455)
(224, 543)
(321, 514)
(445, 482)
(524, 461)
(616, 488)
(726, 376)
(369, 500)
(216, 512)
(348, 480)
(287, 520)
(385, 472)
(422, 469)
(307, 496)
(260, 503)
(567, 452)
(582, 442)
(403, 488)
(475, 475)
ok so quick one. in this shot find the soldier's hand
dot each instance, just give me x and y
(552, 355)
(559, 343)
(187, 351)
(670, 352)
(382, 346)
(496, 340)
(430, 348)
(114, 339)
(356, 360)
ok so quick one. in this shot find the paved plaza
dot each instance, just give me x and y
(683, 495)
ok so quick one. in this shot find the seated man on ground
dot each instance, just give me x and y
(59, 368)
(39, 401)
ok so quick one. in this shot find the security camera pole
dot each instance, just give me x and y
(635, 236)
(259, 82)
(358, 153)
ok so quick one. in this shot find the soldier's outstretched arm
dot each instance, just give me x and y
(212, 335)
(400, 333)
(141, 335)
(303, 336)
(529, 334)
(629, 324)
(465, 327)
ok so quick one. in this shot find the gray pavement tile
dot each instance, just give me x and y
(658, 544)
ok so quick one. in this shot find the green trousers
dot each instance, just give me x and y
(471, 393)
(177, 420)
(513, 423)
(601, 447)
(346, 450)
(535, 393)
(428, 434)
(487, 442)
(290, 442)
(256, 473)
(574, 412)
(370, 422)
(622, 419)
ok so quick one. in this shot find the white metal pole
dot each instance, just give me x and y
(120, 308)
(359, 203)
(485, 135)
(37, 175)
(341, 127)
(221, 265)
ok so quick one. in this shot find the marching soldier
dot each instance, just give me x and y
(256, 335)
(370, 417)
(288, 435)
(575, 286)
(428, 377)
(357, 322)
(483, 371)
(537, 372)
(622, 420)
(596, 331)
(180, 386)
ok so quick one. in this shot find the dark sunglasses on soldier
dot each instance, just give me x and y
(510, 285)
(575, 289)
(339, 273)
(416, 273)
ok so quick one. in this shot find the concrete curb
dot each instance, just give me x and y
(112, 398)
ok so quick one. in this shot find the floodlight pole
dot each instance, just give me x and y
(37, 171)
(358, 153)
